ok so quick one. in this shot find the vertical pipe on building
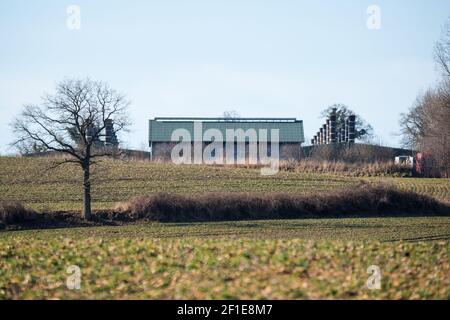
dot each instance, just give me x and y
(346, 130)
(324, 127)
(151, 150)
(109, 132)
(327, 131)
(351, 128)
(321, 136)
(333, 126)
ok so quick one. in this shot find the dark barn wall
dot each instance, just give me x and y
(161, 151)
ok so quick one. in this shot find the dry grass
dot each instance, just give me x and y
(360, 201)
(12, 212)
(388, 168)
(355, 169)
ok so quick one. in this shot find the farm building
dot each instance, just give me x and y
(287, 133)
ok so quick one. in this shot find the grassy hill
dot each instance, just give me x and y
(31, 181)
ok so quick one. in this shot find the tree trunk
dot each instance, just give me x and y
(86, 193)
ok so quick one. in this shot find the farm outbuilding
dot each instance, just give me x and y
(287, 131)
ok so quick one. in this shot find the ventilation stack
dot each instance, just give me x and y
(351, 128)
(346, 130)
(324, 134)
(110, 136)
(334, 131)
(332, 127)
(91, 132)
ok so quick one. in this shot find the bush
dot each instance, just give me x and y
(12, 212)
(360, 201)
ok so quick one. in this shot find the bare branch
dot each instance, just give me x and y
(73, 121)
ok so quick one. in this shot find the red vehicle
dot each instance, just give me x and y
(425, 165)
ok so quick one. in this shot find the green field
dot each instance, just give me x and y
(30, 181)
(272, 259)
(254, 260)
(275, 259)
(410, 229)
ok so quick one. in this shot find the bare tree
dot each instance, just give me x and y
(426, 126)
(231, 114)
(442, 51)
(73, 122)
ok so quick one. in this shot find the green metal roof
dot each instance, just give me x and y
(290, 129)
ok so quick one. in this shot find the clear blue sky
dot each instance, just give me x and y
(200, 58)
